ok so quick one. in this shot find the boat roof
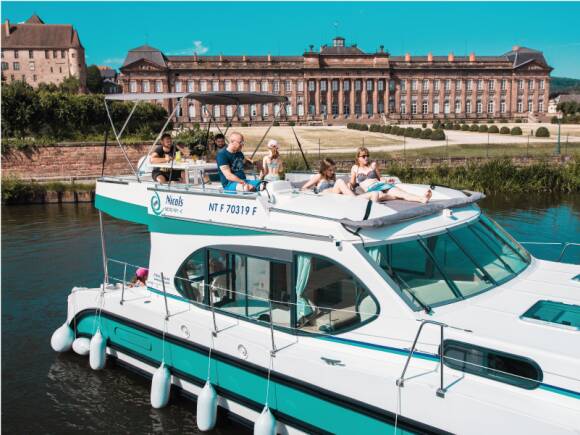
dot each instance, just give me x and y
(218, 98)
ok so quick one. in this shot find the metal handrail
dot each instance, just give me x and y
(441, 390)
(565, 246)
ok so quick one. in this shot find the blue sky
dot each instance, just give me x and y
(109, 29)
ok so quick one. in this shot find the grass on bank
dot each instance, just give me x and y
(15, 191)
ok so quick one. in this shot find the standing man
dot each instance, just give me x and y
(220, 142)
(230, 162)
(164, 153)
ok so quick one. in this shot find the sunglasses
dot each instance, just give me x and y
(364, 156)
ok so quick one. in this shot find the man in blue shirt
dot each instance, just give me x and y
(230, 162)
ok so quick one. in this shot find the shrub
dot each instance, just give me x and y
(375, 128)
(493, 129)
(516, 131)
(438, 134)
(409, 131)
(424, 125)
(490, 121)
(503, 121)
(244, 124)
(401, 131)
(417, 132)
(483, 128)
(436, 124)
(364, 127)
(518, 120)
(387, 129)
(464, 127)
(448, 126)
(426, 134)
(456, 127)
(276, 124)
(504, 130)
(474, 127)
(291, 123)
(542, 132)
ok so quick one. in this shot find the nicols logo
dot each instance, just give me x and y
(156, 204)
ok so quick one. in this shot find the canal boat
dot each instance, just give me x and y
(304, 313)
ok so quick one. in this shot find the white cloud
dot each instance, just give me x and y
(198, 48)
(114, 61)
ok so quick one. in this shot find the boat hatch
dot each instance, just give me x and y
(555, 314)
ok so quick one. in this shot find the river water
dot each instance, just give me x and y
(48, 249)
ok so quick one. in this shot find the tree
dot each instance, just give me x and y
(20, 109)
(70, 85)
(94, 80)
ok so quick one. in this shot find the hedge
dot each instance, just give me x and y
(493, 129)
(438, 134)
(426, 134)
(516, 131)
(465, 127)
(542, 132)
(474, 127)
(504, 130)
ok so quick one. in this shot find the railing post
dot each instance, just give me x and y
(214, 332)
(165, 297)
(123, 288)
(441, 391)
(274, 350)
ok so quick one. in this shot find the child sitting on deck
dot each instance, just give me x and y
(325, 181)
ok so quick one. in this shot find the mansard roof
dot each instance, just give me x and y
(519, 56)
(148, 53)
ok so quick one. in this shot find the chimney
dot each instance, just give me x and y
(407, 57)
(7, 27)
(515, 48)
(195, 59)
(381, 49)
(221, 57)
(430, 57)
(311, 48)
(450, 57)
(472, 57)
(244, 58)
(269, 57)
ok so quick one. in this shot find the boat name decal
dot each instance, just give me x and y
(174, 204)
(216, 207)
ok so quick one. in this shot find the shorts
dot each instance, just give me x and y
(175, 175)
(232, 185)
(379, 186)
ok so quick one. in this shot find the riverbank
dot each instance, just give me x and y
(488, 176)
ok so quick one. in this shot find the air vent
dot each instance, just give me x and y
(554, 314)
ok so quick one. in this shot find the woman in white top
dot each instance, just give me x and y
(272, 165)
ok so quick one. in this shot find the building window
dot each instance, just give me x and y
(346, 109)
(288, 109)
(346, 85)
(300, 86)
(413, 106)
(357, 85)
(311, 109)
(392, 85)
(436, 107)
(264, 86)
(503, 84)
(502, 106)
(228, 85)
(158, 86)
(480, 85)
(216, 111)
(229, 111)
(253, 109)
(276, 110)
(300, 108)
(414, 84)
(60, 69)
(403, 107)
(334, 109)
(16, 66)
(203, 86)
(436, 84)
(425, 87)
(542, 84)
(541, 106)
(311, 86)
(479, 106)
(371, 109)
(51, 70)
(72, 55)
(191, 111)
(458, 85)
(490, 108)
(46, 54)
(530, 106)
(446, 107)
(468, 106)
(31, 66)
(491, 85)
(253, 85)
(16, 54)
(178, 86)
(215, 85)
(241, 111)
(520, 84)
(190, 86)
(335, 85)
(457, 106)
(370, 86)
(425, 107)
(54, 54)
(381, 85)
(265, 110)
(530, 85)
(447, 85)
(4, 66)
(132, 86)
(520, 106)
(34, 77)
(276, 86)
(240, 85)
(322, 85)
(469, 85)
(146, 86)
(288, 86)
(31, 54)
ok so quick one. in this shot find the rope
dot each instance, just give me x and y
(209, 358)
(268, 382)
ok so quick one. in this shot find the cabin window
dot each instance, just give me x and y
(451, 266)
(190, 278)
(499, 366)
(329, 299)
(251, 287)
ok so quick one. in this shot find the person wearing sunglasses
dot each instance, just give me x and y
(325, 181)
(366, 175)
(164, 153)
(230, 162)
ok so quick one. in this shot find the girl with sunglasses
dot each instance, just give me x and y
(325, 181)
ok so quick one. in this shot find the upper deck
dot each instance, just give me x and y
(280, 209)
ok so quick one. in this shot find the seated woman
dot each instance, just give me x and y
(272, 163)
(140, 278)
(368, 178)
(325, 181)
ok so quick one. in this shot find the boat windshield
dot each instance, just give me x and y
(451, 266)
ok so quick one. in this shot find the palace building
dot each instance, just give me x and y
(341, 83)
(36, 53)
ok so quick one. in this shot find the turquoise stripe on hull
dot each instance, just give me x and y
(295, 402)
(158, 224)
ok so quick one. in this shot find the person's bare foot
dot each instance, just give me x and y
(427, 196)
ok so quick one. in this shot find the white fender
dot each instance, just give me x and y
(160, 387)
(82, 346)
(206, 408)
(266, 423)
(62, 338)
(97, 353)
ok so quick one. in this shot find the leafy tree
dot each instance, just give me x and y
(94, 80)
(70, 85)
(20, 111)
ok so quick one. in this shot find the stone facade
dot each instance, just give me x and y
(41, 53)
(340, 84)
